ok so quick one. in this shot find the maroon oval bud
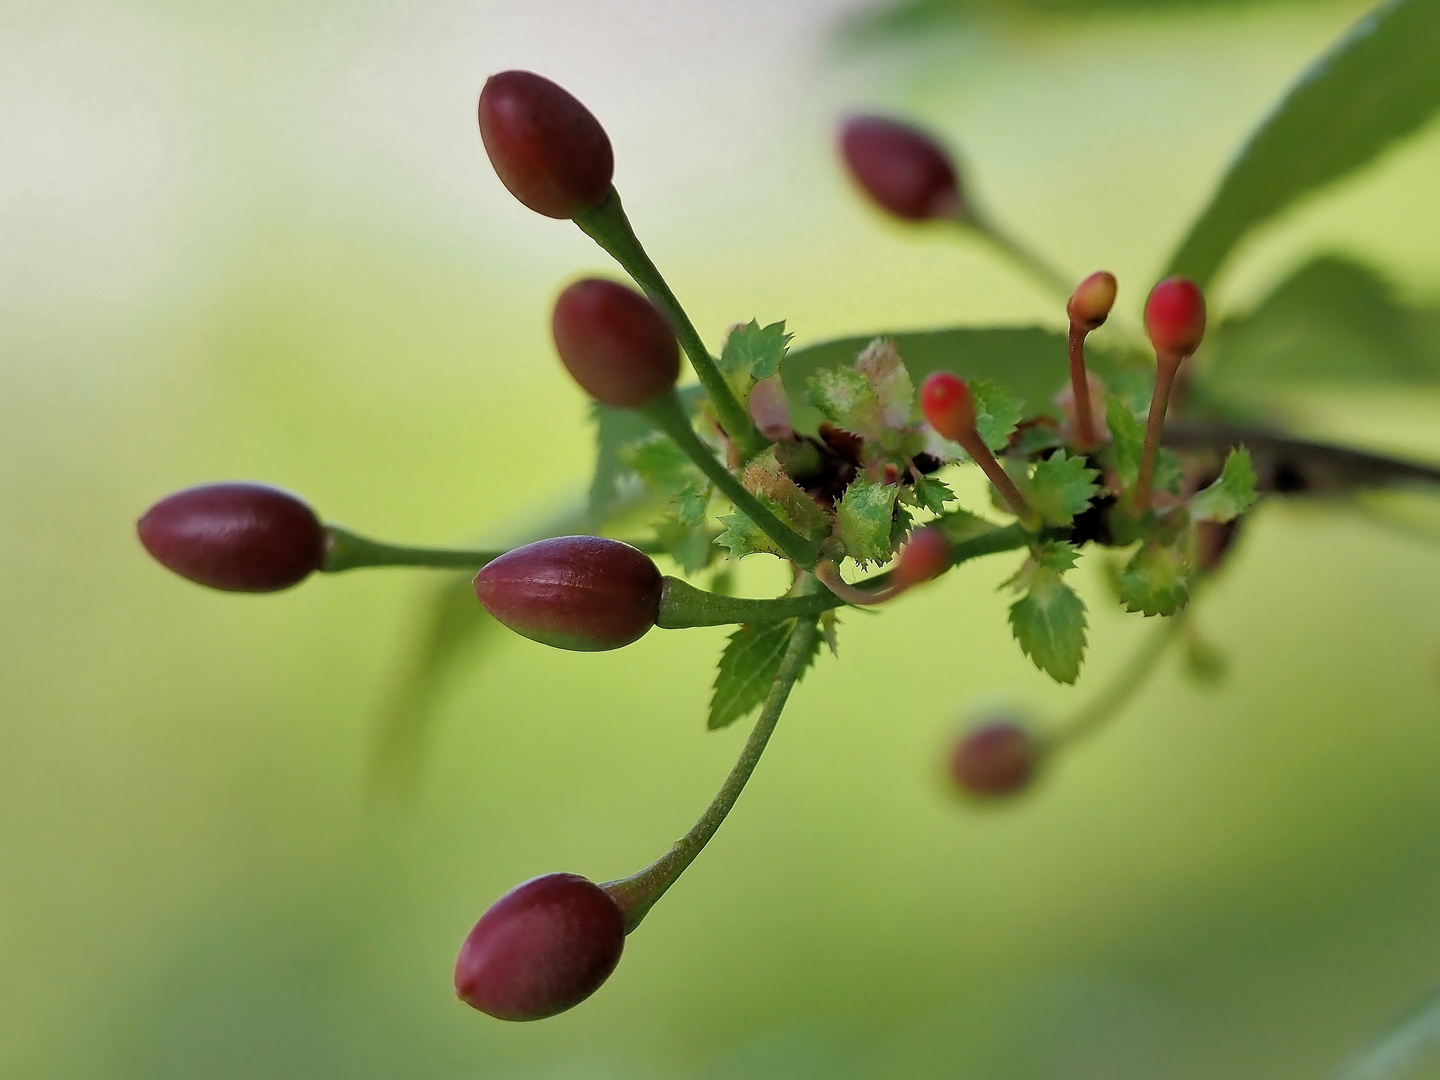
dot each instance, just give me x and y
(615, 343)
(997, 758)
(238, 537)
(584, 593)
(1175, 317)
(901, 168)
(542, 948)
(546, 147)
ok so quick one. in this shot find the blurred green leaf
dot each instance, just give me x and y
(1412, 1040)
(911, 17)
(1156, 581)
(616, 431)
(1332, 321)
(1232, 494)
(1378, 84)
(1029, 362)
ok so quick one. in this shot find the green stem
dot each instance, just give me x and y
(1118, 694)
(638, 893)
(668, 415)
(682, 605)
(608, 226)
(347, 551)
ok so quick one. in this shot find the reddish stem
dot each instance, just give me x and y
(980, 453)
(1080, 385)
(1167, 364)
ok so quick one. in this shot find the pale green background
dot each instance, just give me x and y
(261, 240)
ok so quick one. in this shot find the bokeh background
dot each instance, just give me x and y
(262, 241)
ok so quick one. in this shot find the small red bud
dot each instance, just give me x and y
(546, 147)
(926, 555)
(583, 593)
(542, 948)
(901, 168)
(945, 400)
(615, 343)
(1175, 317)
(238, 537)
(997, 758)
(1092, 300)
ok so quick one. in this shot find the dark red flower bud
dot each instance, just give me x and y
(901, 168)
(547, 148)
(615, 343)
(238, 537)
(997, 758)
(1175, 317)
(542, 948)
(584, 593)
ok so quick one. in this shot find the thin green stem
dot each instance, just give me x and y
(638, 893)
(608, 226)
(346, 550)
(683, 606)
(668, 415)
(1118, 693)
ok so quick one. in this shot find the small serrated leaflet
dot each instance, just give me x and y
(1049, 623)
(1232, 494)
(997, 412)
(752, 352)
(930, 494)
(1156, 580)
(1061, 487)
(880, 363)
(847, 399)
(864, 517)
(747, 668)
(741, 536)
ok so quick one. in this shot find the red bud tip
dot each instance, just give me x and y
(925, 556)
(583, 593)
(1092, 300)
(615, 343)
(901, 168)
(237, 537)
(945, 400)
(997, 758)
(542, 948)
(1175, 317)
(546, 147)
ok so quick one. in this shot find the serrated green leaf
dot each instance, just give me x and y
(846, 398)
(929, 494)
(1232, 494)
(1058, 555)
(741, 536)
(1127, 441)
(1049, 623)
(1379, 84)
(747, 669)
(688, 545)
(1021, 359)
(864, 517)
(829, 630)
(1156, 581)
(752, 352)
(997, 412)
(1061, 487)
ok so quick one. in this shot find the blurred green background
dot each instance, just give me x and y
(262, 241)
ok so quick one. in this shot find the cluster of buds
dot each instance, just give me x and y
(550, 942)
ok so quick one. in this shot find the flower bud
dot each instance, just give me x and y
(1092, 300)
(997, 758)
(926, 555)
(542, 948)
(947, 405)
(238, 537)
(546, 147)
(901, 168)
(615, 343)
(1175, 317)
(583, 593)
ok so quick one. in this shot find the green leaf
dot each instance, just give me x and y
(882, 367)
(1061, 487)
(785, 498)
(1029, 362)
(846, 398)
(1232, 494)
(752, 352)
(670, 475)
(1402, 1048)
(1156, 580)
(1127, 441)
(997, 412)
(864, 517)
(689, 545)
(1049, 623)
(747, 668)
(1058, 555)
(1378, 84)
(929, 494)
(615, 431)
(1332, 322)
(742, 537)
